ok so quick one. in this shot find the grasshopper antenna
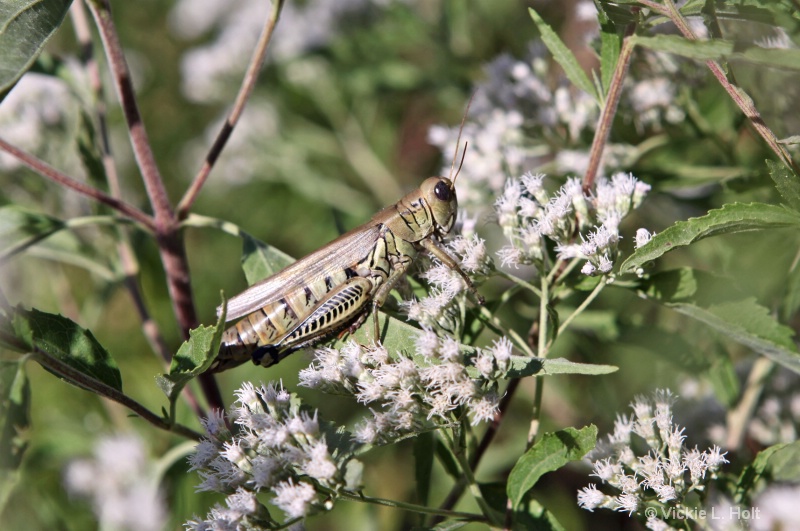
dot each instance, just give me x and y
(461, 164)
(458, 141)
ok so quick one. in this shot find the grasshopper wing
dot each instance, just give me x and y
(346, 251)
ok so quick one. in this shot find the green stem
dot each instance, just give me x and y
(421, 509)
(567, 270)
(543, 302)
(494, 323)
(519, 282)
(85, 221)
(80, 379)
(586, 302)
(469, 478)
(541, 351)
(555, 268)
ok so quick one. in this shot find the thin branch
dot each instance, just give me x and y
(101, 11)
(458, 489)
(588, 300)
(739, 417)
(421, 509)
(494, 324)
(248, 84)
(472, 483)
(168, 236)
(606, 119)
(739, 97)
(82, 380)
(44, 169)
(130, 266)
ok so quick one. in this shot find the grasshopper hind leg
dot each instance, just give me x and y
(342, 309)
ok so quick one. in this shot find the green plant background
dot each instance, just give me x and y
(395, 72)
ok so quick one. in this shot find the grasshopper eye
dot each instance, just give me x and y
(442, 191)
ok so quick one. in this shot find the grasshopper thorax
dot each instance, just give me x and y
(440, 195)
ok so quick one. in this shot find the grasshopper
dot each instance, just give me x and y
(333, 289)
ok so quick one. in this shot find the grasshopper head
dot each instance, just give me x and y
(440, 194)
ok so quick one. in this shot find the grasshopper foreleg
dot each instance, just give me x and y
(450, 262)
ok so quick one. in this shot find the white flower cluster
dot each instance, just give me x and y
(121, 483)
(37, 116)
(279, 448)
(208, 69)
(512, 120)
(408, 395)
(664, 475)
(528, 214)
(653, 102)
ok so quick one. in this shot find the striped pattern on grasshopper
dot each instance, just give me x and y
(334, 288)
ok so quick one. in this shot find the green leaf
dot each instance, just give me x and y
(448, 461)
(610, 46)
(562, 366)
(780, 462)
(666, 345)
(522, 366)
(25, 27)
(20, 228)
(781, 14)
(749, 324)
(531, 517)
(784, 463)
(563, 56)
(261, 260)
(91, 156)
(447, 525)
(537, 517)
(15, 399)
(742, 320)
(64, 340)
(730, 219)
(786, 182)
(495, 498)
(791, 296)
(551, 452)
(723, 378)
(718, 49)
(193, 357)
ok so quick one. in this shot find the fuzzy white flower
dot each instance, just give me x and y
(659, 475)
(119, 480)
(294, 499)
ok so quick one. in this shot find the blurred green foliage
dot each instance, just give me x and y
(377, 86)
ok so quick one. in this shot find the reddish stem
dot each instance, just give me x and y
(168, 235)
(609, 109)
(248, 84)
(44, 169)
